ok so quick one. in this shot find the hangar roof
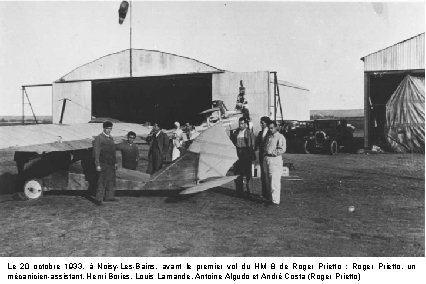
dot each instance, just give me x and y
(144, 63)
(408, 54)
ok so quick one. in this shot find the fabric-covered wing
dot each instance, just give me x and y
(60, 137)
(216, 151)
(208, 184)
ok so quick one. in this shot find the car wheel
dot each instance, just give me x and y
(305, 147)
(33, 189)
(333, 148)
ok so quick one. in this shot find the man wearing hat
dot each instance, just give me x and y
(105, 161)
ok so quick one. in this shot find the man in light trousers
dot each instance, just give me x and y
(274, 147)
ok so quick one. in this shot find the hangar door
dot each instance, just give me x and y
(153, 99)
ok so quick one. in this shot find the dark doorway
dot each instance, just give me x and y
(153, 99)
(382, 87)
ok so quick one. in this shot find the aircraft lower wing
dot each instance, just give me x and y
(208, 184)
(60, 137)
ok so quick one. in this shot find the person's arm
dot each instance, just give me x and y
(234, 137)
(257, 142)
(97, 151)
(115, 156)
(281, 146)
(137, 153)
(252, 140)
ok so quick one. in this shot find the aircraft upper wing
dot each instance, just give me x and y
(60, 137)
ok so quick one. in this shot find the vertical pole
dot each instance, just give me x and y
(130, 20)
(275, 96)
(366, 110)
(279, 97)
(23, 105)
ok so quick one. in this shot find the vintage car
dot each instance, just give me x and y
(295, 134)
(328, 136)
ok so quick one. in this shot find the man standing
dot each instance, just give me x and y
(105, 161)
(244, 140)
(260, 142)
(129, 152)
(274, 147)
(159, 146)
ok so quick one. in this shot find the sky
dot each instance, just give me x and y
(317, 45)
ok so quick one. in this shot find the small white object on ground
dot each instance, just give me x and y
(351, 208)
(286, 172)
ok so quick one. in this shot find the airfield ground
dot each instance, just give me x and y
(387, 191)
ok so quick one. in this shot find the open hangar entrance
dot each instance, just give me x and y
(381, 88)
(164, 99)
(384, 70)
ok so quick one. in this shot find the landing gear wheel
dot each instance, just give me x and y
(333, 147)
(33, 189)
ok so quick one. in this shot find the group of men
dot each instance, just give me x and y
(270, 145)
(104, 156)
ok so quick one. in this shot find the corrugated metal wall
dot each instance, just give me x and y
(406, 55)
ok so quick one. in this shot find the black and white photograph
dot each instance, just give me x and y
(212, 129)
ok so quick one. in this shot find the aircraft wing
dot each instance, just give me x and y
(208, 158)
(60, 137)
(208, 184)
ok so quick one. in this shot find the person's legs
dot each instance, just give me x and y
(110, 184)
(239, 184)
(157, 161)
(100, 188)
(276, 173)
(267, 179)
(263, 180)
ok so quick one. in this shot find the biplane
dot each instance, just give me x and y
(59, 157)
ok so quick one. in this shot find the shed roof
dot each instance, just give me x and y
(144, 63)
(404, 55)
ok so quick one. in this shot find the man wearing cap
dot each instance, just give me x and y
(159, 146)
(129, 152)
(105, 161)
(243, 140)
(273, 148)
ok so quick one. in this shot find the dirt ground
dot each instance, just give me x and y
(387, 191)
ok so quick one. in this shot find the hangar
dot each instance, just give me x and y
(385, 78)
(164, 87)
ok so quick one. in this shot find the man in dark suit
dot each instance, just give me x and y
(159, 146)
(260, 142)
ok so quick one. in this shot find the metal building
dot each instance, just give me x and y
(384, 70)
(163, 87)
